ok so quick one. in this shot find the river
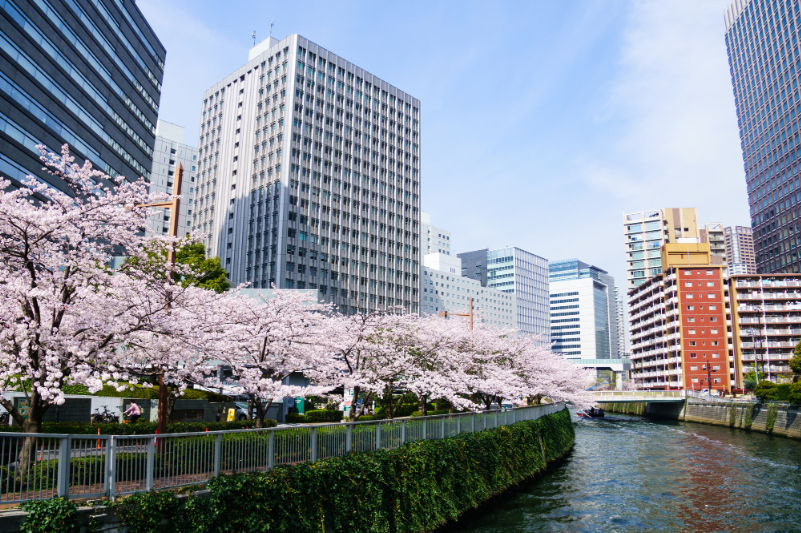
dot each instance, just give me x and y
(631, 474)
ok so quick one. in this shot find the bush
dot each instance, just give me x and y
(783, 392)
(57, 515)
(294, 418)
(766, 391)
(323, 415)
(144, 393)
(143, 428)
(432, 413)
(414, 488)
(749, 384)
(795, 393)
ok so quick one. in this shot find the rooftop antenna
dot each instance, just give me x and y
(272, 23)
(254, 37)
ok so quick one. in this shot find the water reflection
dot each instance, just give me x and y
(631, 474)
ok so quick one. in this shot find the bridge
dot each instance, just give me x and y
(624, 396)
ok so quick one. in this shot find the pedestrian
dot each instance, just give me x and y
(133, 412)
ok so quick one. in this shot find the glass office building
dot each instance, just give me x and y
(83, 72)
(583, 309)
(762, 43)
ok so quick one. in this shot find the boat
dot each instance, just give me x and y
(592, 412)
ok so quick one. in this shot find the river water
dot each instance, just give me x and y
(631, 474)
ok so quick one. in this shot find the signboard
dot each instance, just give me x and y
(300, 405)
(348, 401)
(231, 414)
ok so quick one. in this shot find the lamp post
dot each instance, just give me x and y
(174, 206)
(445, 314)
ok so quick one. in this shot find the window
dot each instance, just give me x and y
(691, 319)
(691, 331)
(694, 367)
(716, 380)
(715, 368)
(694, 380)
(688, 283)
(693, 356)
(713, 308)
(713, 331)
(715, 356)
(690, 307)
(715, 343)
(689, 296)
(709, 272)
(713, 319)
(692, 343)
(710, 295)
(710, 283)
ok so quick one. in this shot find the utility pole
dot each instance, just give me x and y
(445, 314)
(174, 206)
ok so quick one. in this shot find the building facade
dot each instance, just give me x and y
(583, 309)
(679, 337)
(621, 325)
(309, 177)
(83, 72)
(515, 271)
(433, 240)
(646, 231)
(445, 289)
(169, 151)
(764, 64)
(739, 250)
(714, 235)
(766, 323)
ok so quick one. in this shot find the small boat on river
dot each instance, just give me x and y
(592, 412)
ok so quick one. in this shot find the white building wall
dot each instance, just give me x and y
(433, 239)
(573, 329)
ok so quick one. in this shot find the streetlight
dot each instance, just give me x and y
(174, 206)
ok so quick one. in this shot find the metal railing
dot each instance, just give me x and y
(40, 466)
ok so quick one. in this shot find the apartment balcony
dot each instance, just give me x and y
(769, 295)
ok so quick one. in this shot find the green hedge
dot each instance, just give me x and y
(322, 415)
(142, 428)
(412, 489)
(145, 393)
(432, 413)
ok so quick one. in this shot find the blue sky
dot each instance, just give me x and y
(542, 121)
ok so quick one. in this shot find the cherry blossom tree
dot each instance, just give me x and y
(266, 339)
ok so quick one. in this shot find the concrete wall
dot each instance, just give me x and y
(775, 419)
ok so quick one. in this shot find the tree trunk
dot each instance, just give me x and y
(26, 457)
(422, 405)
(261, 412)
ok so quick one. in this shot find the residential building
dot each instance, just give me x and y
(83, 73)
(583, 309)
(170, 151)
(309, 177)
(713, 235)
(764, 65)
(765, 323)
(515, 271)
(679, 337)
(740, 250)
(445, 289)
(433, 240)
(621, 324)
(646, 231)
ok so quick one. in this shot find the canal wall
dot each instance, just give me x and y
(766, 418)
(415, 488)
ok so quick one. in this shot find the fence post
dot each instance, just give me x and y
(151, 453)
(378, 436)
(271, 450)
(496, 418)
(63, 482)
(443, 427)
(458, 424)
(472, 422)
(110, 466)
(314, 444)
(403, 432)
(485, 420)
(217, 453)
(348, 438)
(425, 424)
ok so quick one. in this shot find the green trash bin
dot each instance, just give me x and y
(300, 405)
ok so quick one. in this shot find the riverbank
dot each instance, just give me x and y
(765, 418)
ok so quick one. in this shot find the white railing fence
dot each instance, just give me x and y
(41, 466)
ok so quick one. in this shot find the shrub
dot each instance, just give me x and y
(414, 488)
(783, 392)
(294, 418)
(766, 391)
(142, 428)
(432, 413)
(143, 512)
(57, 514)
(795, 393)
(323, 415)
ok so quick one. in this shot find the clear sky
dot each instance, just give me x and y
(542, 121)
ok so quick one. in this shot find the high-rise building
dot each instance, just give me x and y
(169, 151)
(518, 272)
(764, 63)
(646, 231)
(713, 235)
(740, 250)
(85, 73)
(583, 310)
(433, 240)
(679, 337)
(445, 289)
(621, 325)
(309, 177)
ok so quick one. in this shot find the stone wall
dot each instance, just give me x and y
(775, 419)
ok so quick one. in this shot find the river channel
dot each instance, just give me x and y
(632, 474)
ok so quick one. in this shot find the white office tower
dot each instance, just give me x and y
(168, 151)
(433, 240)
(310, 177)
(445, 289)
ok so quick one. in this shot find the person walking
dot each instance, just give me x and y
(133, 412)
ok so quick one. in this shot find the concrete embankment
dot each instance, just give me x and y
(767, 418)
